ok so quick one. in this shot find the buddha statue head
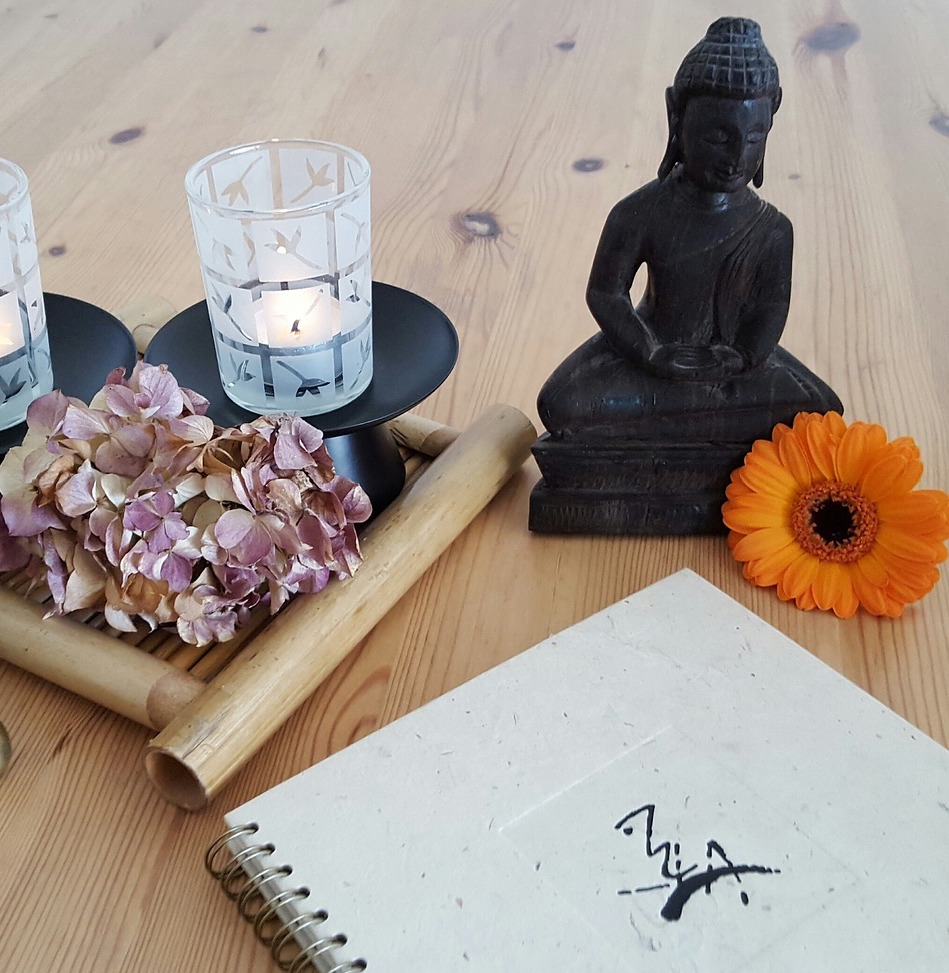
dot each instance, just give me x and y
(720, 108)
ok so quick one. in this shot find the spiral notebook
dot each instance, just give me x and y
(669, 785)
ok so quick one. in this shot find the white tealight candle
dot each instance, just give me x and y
(11, 326)
(297, 318)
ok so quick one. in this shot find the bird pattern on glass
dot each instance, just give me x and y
(285, 251)
(25, 365)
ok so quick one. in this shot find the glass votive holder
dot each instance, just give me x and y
(26, 370)
(283, 231)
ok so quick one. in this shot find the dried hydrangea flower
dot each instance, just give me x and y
(139, 506)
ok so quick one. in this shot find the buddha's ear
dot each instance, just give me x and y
(758, 178)
(672, 146)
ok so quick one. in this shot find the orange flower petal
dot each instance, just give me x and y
(752, 512)
(806, 601)
(820, 448)
(871, 596)
(913, 571)
(793, 455)
(769, 478)
(890, 475)
(737, 487)
(770, 569)
(906, 447)
(799, 576)
(851, 456)
(834, 424)
(833, 590)
(877, 479)
(913, 547)
(873, 569)
(922, 511)
(905, 590)
(763, 542)
(765, 450)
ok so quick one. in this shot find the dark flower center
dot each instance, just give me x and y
(834, 522)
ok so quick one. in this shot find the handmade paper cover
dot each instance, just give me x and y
(671, 785)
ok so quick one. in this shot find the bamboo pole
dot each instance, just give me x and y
(422, 435)
(99, 667)
(212, 738)
(116, 673)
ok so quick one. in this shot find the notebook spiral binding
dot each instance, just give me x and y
(254, 907)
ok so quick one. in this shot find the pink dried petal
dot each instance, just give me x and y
(172, 533)
(141, 516)
(138, 439)
(45, 414)
(195, 402)
(117, 542)
(146, 482)
(81, 422)
(346, 551)
(208, 628)
(119, 400)
(192, 429)
(56, 573)
(356, 503)
(79, 494)
(307, 580)
(149, 391)
(240, 533)
(317, 535)
(126, 451)
(237, 583)
(24, 518)
(14, 553)
(285, 497)
(177, 571)
(294, 443)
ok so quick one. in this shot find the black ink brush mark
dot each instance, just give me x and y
(686, 883)
(684, 890)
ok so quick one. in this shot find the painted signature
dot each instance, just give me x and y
(684, 882)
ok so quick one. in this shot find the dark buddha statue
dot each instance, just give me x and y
(647, 419)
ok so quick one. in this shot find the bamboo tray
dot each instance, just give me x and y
(216, 706)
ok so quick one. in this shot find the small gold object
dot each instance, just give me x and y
(6, 750)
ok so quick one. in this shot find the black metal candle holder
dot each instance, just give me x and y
(415, 348)
(85, 344)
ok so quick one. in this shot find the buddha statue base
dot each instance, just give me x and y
(649, 457)
(638, 488)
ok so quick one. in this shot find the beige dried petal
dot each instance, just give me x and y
(86, 582)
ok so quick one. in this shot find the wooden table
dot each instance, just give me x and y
(500, 135)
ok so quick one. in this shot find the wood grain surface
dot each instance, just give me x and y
(500, 134)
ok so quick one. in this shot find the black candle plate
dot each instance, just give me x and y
(85, 344)
(414, 350)
(415, 347)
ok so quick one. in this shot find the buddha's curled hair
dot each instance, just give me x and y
(732, 61)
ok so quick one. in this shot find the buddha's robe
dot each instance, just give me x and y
(714, 278)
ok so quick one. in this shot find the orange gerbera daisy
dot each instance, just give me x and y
(828, 513)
